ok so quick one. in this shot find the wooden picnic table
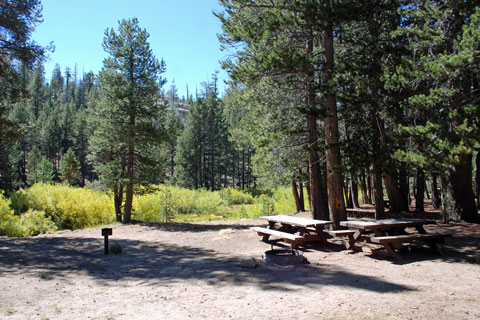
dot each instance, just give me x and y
(293, 230)
(391, 233)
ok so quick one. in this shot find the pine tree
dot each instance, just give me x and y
(292, 43)
(203, 146)
(18, 52)
(70, 168)
(441, 73)
(129, 116)
(39, 168)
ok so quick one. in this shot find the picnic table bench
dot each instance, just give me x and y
(391, 234)
(293, 230)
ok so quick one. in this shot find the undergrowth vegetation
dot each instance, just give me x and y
(30, 223)
(68, 207)
(49, 207)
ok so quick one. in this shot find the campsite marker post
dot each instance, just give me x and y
(105, 233)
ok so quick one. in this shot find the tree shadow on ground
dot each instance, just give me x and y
(60, 258)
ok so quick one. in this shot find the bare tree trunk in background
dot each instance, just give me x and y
(369, 187)
(395, 198)
(296, 197)
(378, 192)
(302, 198)
(118, 201)
(403, 184)
(444, 197)
(336, 203)
(477, 178)
(318, 204)
(347, 195)
(354, 192)
(363, 187)
(420, 195)
(436, 199)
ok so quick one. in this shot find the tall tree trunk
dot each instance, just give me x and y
(234, 171)
(302, 198)
(127, 214)
(336, 203)
(420, 195)
(296, 197)
(363, 187)
(354, 192)
(318, 205)
(309, 193)
(460, 191)
(444, 197)
(127, 210)
(403, 183)
(243, 168)
(118, 200)
(477, 177)
(427, 194)
(436, 200)
(395, 198)
(378, 192)
(369, 187)
(347, 191)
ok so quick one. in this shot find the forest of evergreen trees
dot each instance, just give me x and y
(343, 98)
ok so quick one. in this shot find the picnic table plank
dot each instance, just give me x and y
(294, 230)
(391, 234)
(296, 221)
(410, 237)
(386, 223)
(276, 233)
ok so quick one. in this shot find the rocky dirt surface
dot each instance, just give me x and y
(194, 271)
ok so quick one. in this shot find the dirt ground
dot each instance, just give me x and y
(192, 270)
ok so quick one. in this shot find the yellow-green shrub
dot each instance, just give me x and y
(28, 224)
(34, 222)
(8, 221)
(69, 207)
(234, 196)
(278, 201)
(283, 201)
(171, 201)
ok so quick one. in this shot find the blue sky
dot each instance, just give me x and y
(182, 32)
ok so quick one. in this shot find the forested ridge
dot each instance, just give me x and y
(353, 101)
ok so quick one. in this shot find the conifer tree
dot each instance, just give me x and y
(129, 116)
(70, 168)
(39, 168)
(441, 75)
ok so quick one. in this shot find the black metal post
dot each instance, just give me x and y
(105, 233)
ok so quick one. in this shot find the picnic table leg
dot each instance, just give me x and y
(394, 232)
(350, 244)
(265, 237)
(323, 236)
(391, 251)
(420, 229)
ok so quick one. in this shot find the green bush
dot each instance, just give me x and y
(164, 206)
(69, 207)
(277, 201)
(34, 222)
(234, 197)
(9, 222)
(283, 201)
